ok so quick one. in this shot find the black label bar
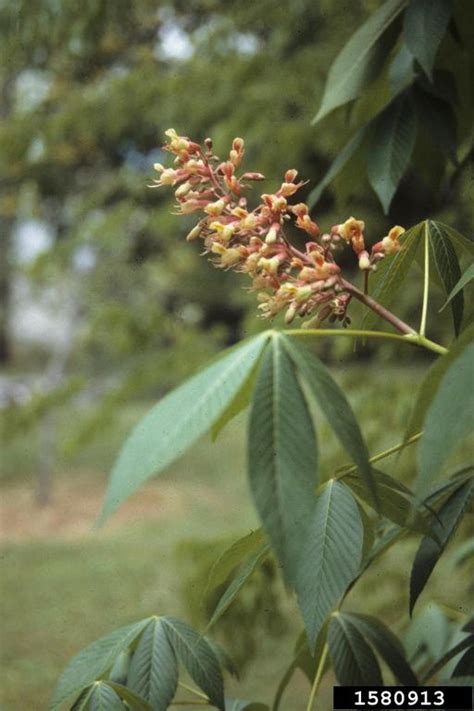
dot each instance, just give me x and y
(450, 698)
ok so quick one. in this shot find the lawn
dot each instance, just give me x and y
(64, 585)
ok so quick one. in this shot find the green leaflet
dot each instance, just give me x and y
(439, 119)
(119, 671)
(430, 551)
(449, 418)
(401, 73)
(424, 26)
(430, 384)
(392, 271)
(154, 668)
(135, 702)
(446, 261)
(245, 572)
(108, 696)
(466, 643)
(353, 660)
(369, 531)
(198, 658)
(334, 405)
(241, 400)
(360, 61)
(179, 419)
(232, 557)
(331, 557)
(394, 502)
(337, 165)
(92, 662)
(104, 698)
(465, 279)
(390, 148)
(387, 645)
(462, 244)
(282, 455)
(428, 633)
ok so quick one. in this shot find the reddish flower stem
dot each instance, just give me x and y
(380, 310)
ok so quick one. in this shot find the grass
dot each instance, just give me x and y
(63, 585)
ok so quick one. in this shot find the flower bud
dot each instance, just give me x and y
(272, 234)
(183, 190)
(253, 176)
(364, 260)
(290, 175)
(194, 234)
(290, 314)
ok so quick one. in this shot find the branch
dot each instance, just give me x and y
(380, 310)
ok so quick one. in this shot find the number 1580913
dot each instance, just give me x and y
(428, 697)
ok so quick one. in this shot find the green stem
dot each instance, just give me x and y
(426, 284)
(412, 338)
(317, 678)
(348, 469)
(429, 345)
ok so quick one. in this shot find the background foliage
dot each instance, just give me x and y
(86, 95)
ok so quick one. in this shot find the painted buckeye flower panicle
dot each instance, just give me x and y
(305, 283)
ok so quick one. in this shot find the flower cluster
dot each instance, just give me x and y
(253, 241)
